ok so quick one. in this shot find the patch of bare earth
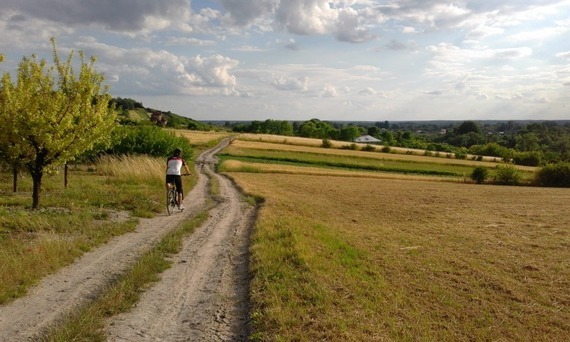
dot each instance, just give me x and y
(202, 297)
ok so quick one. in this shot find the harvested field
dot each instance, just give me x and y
(201, 137)
(361, 259)
(374, 155)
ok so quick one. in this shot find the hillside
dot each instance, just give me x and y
(132, 112)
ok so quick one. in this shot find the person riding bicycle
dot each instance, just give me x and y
(174, 164)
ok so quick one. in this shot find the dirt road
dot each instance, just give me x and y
(202, 297)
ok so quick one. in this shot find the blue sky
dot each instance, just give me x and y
(368, 60)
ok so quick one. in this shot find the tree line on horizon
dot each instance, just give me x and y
(531, 144)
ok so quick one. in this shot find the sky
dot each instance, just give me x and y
(352, 60)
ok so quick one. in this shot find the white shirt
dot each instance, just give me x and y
(174, 165)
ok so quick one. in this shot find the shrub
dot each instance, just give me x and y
(386, 149)
(149, 140)
(369, 148)
(532, 158)
(507, 175)
(326, 143)
(461, 153)
(556, 175)
(479, 174)
(350, 147)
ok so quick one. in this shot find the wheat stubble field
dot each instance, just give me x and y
(336, 257)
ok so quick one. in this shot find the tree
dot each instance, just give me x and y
(349, 133)
(54, 118)
(468, 127)
(479, 174)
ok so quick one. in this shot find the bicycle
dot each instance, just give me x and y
(172, 197)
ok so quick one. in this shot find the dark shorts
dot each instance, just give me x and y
(176, 180)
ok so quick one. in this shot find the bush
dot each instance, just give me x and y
(149, 140)
(461, 153)
(479, 174)
(556, 175)
(507, 175)
(369, 148)
(532, 158)
(386, 149)
(326, 143)
(353, 147)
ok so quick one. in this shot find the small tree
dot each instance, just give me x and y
(479, 174)
(507, 175)
(556, 175)
(52, 120)
(326, 143)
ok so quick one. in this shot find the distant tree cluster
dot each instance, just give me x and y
(126, 103)
(531, 144)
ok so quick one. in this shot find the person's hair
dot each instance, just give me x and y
(177, 152)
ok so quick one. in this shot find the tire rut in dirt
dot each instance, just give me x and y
(204, 295)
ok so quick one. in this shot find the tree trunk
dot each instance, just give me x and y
(37, 171)
(15, 179)
(65, 175)
(37, 178)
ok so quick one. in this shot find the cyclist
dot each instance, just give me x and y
(174, 164)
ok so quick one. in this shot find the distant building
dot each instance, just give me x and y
(367, 139)
(158, 119)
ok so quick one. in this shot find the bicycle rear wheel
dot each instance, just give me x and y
(171, 199)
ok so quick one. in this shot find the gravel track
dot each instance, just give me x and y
(202, 297)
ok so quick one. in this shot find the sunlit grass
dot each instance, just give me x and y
(73, 219)
(361, 259)
(203, 138)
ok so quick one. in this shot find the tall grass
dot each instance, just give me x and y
(132, 168)
(72, 219)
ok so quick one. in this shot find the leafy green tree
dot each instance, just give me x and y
(349, 133)
(374, 131)
(54, 118)
(527, 142)
(316, 128)
(479, 174)
(388, 138)
(507, 175)
(555, 175)
(468, 127)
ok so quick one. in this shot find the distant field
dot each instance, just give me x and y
(201, 137)
(339, 144)
(345, 253)
(362, 259)
(258, 154)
